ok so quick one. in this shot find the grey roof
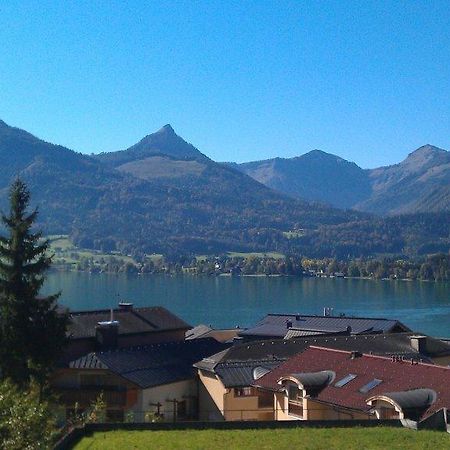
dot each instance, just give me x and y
(152, 365)
(389, 344)
(197, 332)
(296, 332)
(275, 325)
(132, 321)
(240, 374)
(204, 331)
(419, 399)
(314, 379)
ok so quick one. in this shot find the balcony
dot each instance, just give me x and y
(86, 396)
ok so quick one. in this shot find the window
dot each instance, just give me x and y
(294, 392)
(370, 385)
(243, 392)
(345, 380)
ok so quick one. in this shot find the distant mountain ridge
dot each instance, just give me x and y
(162, 195)
(397, 189)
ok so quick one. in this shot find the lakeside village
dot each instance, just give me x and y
(148, 365)
(434, 267)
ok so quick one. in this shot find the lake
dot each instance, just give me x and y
(228, 302)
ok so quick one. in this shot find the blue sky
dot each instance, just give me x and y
(369, 81)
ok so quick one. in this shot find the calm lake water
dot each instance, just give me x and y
(227, 302)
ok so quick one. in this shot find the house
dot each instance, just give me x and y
(329, 384)
(147, 381)
(226, 379)
(125, 326)
(275, 326)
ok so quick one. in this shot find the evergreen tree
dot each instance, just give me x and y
(32, 331)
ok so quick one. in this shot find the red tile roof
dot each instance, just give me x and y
(396, 375)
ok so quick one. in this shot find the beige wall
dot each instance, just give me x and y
(180, 391)
(245, 408)
(219, 403)
(314, 410)
(211, 396)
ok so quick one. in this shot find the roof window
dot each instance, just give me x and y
(370, 385)
(345, 380)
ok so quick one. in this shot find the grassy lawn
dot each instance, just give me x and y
(280, 439)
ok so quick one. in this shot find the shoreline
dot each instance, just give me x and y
(56, 269)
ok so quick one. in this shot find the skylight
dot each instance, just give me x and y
(370, 385)
(345, 380)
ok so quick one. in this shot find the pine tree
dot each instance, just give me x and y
(32, 331)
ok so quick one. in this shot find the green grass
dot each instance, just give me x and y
(381, 438)
(64, 251)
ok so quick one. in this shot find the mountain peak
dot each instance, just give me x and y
(426, 154)
(166, 129)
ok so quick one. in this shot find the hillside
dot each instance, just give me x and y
(102, 203)
(315, 176)
(420, 183)
(163, 195)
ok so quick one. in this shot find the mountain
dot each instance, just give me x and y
(162, 195)
(123, 201)
(418, 184)
(315, 176)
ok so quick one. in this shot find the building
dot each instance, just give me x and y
(275, 326)
(140, 383)
(125, 326)
(326, 384)
(226, 379)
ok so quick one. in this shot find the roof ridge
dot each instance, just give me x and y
(115, 309)
(368, 355)
(331, 317)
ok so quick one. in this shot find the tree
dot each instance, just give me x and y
(32, 331)
(25, 421)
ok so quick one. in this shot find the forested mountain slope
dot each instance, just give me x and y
(162, 195)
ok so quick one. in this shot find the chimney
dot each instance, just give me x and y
(419, 343)
(288, 323)
(106, 334)
(125, 306)
(297, 317)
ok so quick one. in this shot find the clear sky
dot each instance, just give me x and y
(241, 80)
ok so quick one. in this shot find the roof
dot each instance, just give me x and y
(197, 332)
(397, 375)
(415, 400)
(388, 344)
(276, 325)
(312, 379)
(131, 321)
(204, 331)
(240, 374)
(151, 365)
